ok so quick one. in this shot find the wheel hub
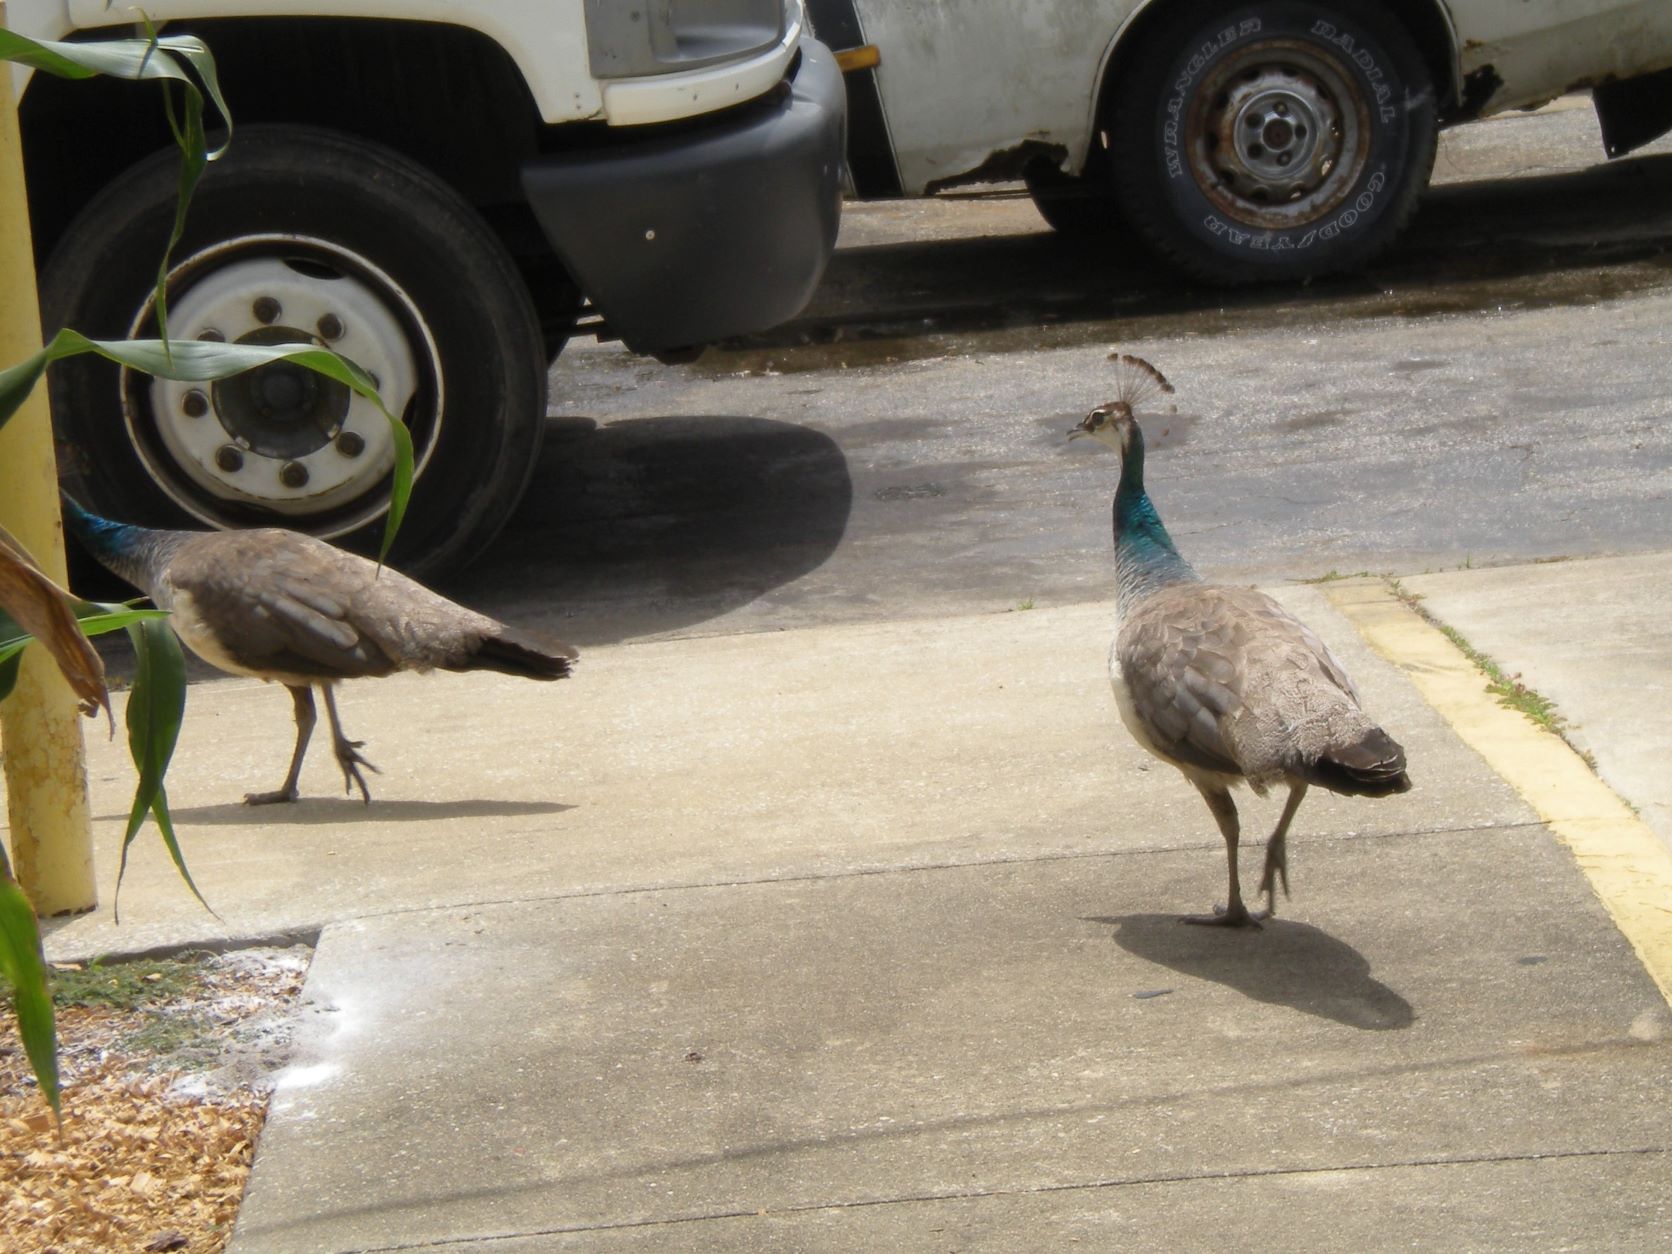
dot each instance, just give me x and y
(1280, 136)
(283, 410)
(1277, 135)
(281, 437)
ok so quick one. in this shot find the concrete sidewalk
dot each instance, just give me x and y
(1595, 636)
(864, 937)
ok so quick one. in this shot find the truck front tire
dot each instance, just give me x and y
(302, 234)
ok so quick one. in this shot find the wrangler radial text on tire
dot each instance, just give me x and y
(1276, 140)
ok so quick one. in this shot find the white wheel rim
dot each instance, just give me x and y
(280, 439)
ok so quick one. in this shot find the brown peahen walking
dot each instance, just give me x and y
(292, 609)
(1224, 683)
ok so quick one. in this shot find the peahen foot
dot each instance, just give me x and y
(349, 759)
(1238, 916)
(1277, 872)
(279, 795)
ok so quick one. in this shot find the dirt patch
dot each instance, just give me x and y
(167, 1066)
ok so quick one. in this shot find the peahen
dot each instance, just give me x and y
(290, 608)
(1224, 683)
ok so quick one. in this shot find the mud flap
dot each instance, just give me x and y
(1634, 111)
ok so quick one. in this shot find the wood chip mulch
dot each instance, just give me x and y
(162, 1107)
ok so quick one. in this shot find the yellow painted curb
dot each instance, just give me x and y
(1628, 866)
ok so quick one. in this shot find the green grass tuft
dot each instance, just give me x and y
(181, 1040)
(124, 985)
(1509, 689)
(1533, 705)
(1334, 576)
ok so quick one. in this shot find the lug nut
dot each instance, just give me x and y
(211, 336)
(195, 404)
(351, 444)
(330, 327)
(266, 309)
(230, 458)
(293, 475)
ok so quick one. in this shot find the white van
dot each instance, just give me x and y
(1241, 139)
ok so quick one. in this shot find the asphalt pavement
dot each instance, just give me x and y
(865, 936)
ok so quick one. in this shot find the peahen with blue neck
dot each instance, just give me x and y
(1224, 683)
(290, 608)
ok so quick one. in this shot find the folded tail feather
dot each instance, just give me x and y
(1372, 766)
(526, 654)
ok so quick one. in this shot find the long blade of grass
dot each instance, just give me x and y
(156, 706)
(24, 966)
(16, 382)
(98, 618)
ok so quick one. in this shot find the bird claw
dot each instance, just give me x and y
(349, 759)
(1277, 872)
(1242, 916)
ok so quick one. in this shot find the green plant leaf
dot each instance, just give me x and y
(24, 966)
(159, 57)
(94, 618)
(162, 669)
(98, 618)
(156, 706)
(164, 58)
(198, 361)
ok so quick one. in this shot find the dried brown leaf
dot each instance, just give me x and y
(47, 612)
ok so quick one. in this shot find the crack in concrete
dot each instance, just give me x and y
(811, 877)
(960, 1195)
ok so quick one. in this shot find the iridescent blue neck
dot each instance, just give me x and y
(137, 554)
(1146, 559)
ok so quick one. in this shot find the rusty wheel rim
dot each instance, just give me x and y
(1278, 134)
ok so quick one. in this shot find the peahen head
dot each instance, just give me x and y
(1115, 422)
(1111, 423)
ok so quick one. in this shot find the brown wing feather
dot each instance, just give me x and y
(286, 604)
(1226, 679)
(1176, 673)
(280, 602)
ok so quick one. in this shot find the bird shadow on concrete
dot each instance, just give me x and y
(650, 525)
(320, 810)
(1285, 963)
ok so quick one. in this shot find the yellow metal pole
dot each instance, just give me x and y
(40, 727)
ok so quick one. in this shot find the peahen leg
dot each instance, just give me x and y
(301, 697)
(1277, 853)
(1233, 913)
(348, 751)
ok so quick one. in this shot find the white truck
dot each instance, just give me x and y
(1240, 139)
(443, 193)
